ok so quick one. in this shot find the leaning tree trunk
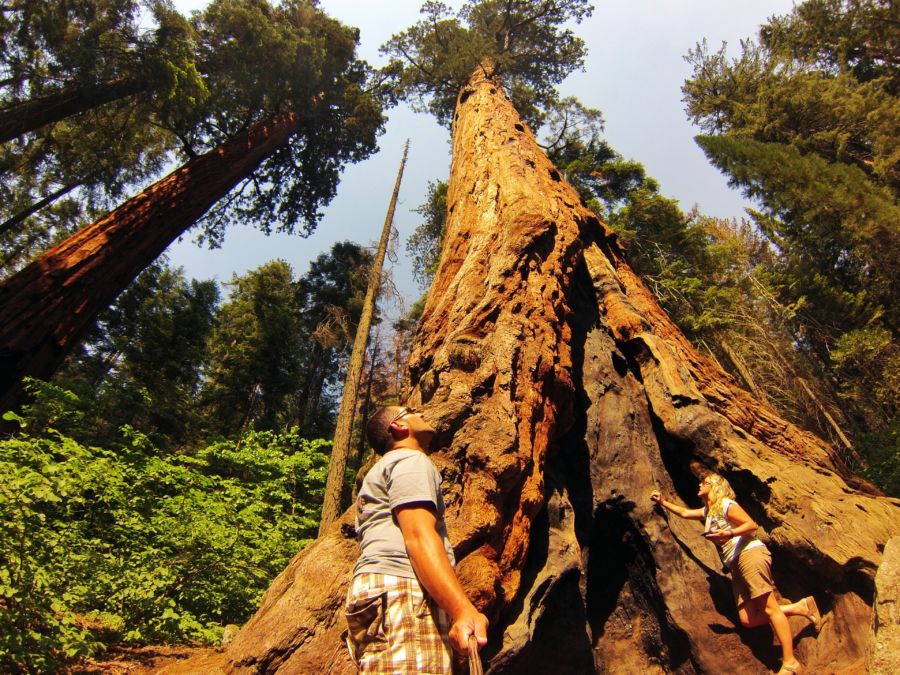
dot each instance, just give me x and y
(26, 213)
(337, 466)
(47, 306)
(563, 396)
(28, 116)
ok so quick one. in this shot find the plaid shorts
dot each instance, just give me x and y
(394, 628)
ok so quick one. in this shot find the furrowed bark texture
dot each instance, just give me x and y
(46, 307)
(563, 396)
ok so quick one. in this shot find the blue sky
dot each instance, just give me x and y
(634, 72)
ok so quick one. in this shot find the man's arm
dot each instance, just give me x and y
(418, 523)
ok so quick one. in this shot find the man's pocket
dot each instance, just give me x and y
(365, 625)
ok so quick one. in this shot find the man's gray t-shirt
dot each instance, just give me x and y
(400, 477)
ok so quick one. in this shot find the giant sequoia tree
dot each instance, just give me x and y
(277, 141)
(563, 395)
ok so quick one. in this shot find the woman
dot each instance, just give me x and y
(730, 528)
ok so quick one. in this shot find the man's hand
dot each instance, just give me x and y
(655, 496)
(469, 622)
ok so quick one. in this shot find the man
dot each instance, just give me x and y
(405, 607)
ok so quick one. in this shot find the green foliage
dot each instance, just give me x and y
(424, 245)
(882, 450)
(821, 79)
(132, 545)
(140, 364)
(259, 60)
(836, 230)
(45, 44)
(254, 351)
(855, 36)
(805, 122)
(528, 42)
(233, 65)
(868, 363)
(276, 355)
(77, 168)
(331, 295)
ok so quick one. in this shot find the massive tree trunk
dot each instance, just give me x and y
(563, 396)
(28, 116)
(46, 307)
(340, 450)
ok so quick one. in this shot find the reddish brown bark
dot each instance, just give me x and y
(31, 115)
(563, 396)
(47, 306)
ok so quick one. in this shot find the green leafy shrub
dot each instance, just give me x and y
(130, 544)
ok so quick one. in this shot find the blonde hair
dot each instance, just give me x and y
(719, 489)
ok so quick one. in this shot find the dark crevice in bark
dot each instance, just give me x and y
(575, 464)
(574, 454)
(754, 490)
(574, 457)
(678, 456)
(560, 643)
(621, 561)
(633, 351)
(537, 251)
(447, 431)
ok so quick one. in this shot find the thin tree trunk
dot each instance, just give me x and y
(335, 485)
(562, 396)
(366, 407)
(47, 306)
(743, 370)
(28, 116)
(10, 223)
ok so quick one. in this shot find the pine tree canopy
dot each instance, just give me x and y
(829, 92)
(198, 83)
(527, 41)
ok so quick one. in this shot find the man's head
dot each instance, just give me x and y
(397, 426)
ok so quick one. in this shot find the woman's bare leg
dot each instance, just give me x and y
(781, 627)
(799, 608)
(752, 613)
(807, 608)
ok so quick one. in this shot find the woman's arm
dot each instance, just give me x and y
(741, 523)
(690, 514)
